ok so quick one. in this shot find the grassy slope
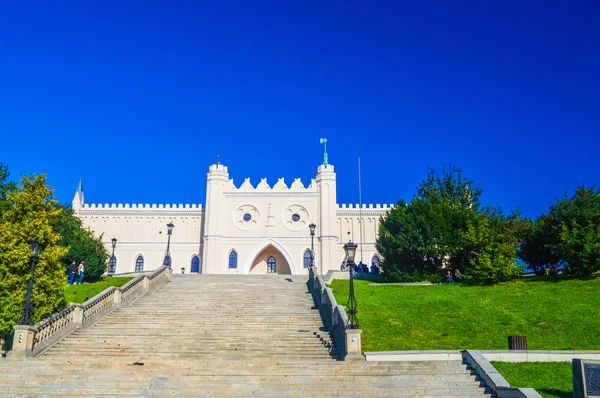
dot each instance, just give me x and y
(560, 314)
(553, 380)
(80, 293)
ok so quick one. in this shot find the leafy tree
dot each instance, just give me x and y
(30, 216)
(6, 187)
(492, 239)
(82, 244)
(539, 246)
(569, 234)
(444, 228)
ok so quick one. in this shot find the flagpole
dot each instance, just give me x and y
(360, 221)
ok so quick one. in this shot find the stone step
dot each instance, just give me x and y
(217, 336)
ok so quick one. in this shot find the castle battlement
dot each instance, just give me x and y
(135, 206)
(280, 186)
(357, 207)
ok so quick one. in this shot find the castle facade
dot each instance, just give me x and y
(241, 230)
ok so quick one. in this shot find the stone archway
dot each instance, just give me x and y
(259, 259)
(259, 265)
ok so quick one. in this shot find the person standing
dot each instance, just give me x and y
(72, 270)
(80, 269)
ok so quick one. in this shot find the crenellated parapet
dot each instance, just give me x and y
(141, 206)
(366, 209)
(263, 187)
(141, 209)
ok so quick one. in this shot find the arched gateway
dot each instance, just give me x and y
(270, 257)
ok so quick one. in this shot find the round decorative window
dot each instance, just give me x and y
(295, 217)
(246, 217)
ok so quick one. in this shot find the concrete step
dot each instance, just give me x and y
(217, 336)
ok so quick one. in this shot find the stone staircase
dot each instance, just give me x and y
(222, 336)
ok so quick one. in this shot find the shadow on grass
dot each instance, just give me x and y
(550, 392)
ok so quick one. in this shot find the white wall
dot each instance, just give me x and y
(212, 233)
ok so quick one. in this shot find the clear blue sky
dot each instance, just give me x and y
(138, 97)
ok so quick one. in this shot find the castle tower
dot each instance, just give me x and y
(326, 229)
(218, 177)
(77, 203)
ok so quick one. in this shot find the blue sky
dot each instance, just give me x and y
(137, 98)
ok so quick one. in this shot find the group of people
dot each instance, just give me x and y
(457, 276)
(362, 268)
(76, 272)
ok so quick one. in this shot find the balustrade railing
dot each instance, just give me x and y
(55, 324)
(99, 304)
(34, 340)
(333, 315)
(132, 290)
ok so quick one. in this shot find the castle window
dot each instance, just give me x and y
(167, 261)
(247, 217)
(271, 266)
(139, 264)
(195, 264)
(112, 265)
(295, 217)
(307, 259)
(233, 259)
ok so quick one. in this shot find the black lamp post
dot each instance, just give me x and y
(167, 261)
(111, 263)
(350, 249)
(312, 244)
(36, 249)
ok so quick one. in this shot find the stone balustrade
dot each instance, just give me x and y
(334, 317)
(31, 341)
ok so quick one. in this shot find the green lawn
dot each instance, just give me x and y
(80, 293)
(550, 379)
(560, 315)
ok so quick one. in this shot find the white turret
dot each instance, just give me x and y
(78, 202)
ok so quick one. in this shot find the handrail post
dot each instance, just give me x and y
(78, 315)
(22, 341)
(146, 283)
(353, 344)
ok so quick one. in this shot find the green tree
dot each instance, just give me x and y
(539, 249)
(30, 215)
(82, 244)
(492, 239)
(444, 228)
(576, 223)
(6, 187)
(569, 234)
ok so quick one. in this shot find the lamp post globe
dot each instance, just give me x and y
(36, 249)
(312, 227)
(112, 262)
(350, 249)
(167, 260)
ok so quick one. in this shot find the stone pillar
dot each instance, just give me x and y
(146, 283)
(353, 344)
(22, 341)
(117, 297)
(78, 315)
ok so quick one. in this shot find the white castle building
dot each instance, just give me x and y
(241, 230)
